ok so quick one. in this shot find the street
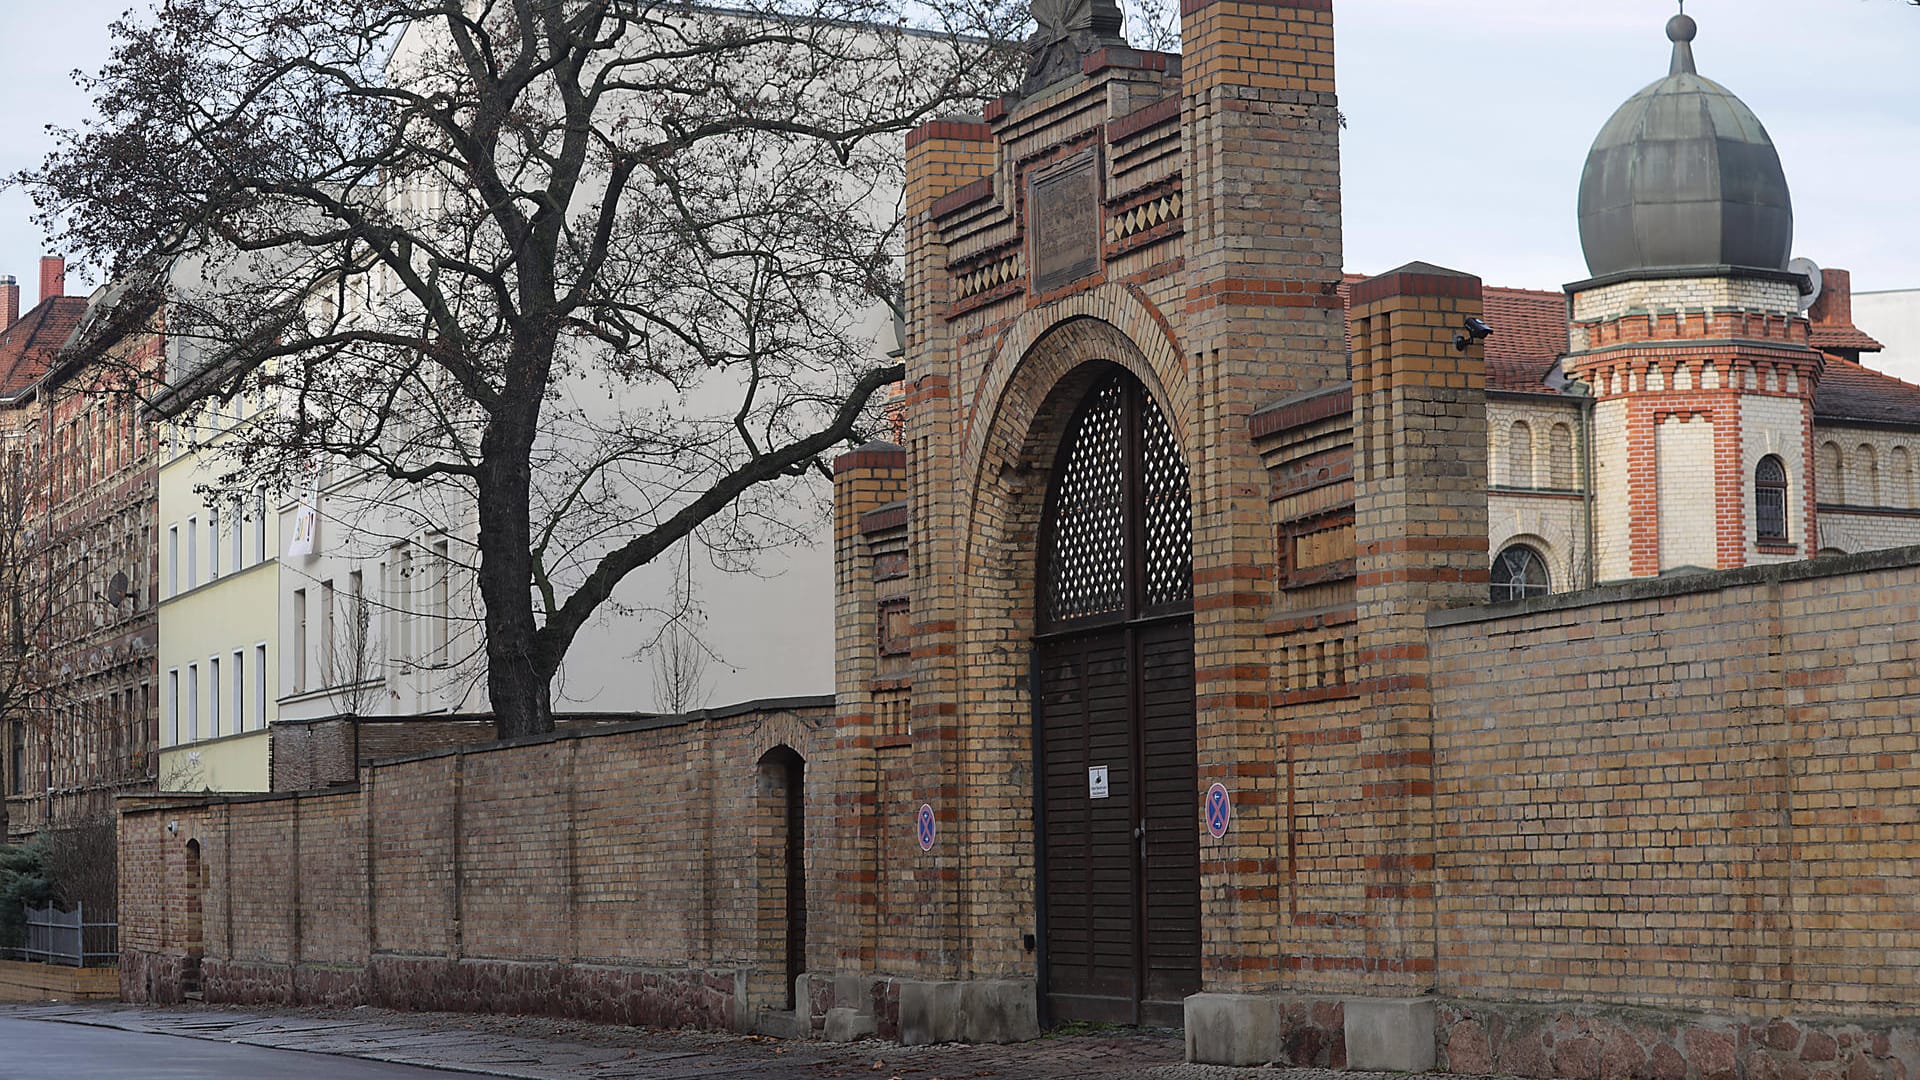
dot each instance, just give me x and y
(40, 1050)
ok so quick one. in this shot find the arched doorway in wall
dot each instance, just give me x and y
(1117, 813)
(783, 806)
(195, 931)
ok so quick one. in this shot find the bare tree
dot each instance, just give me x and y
(349, 661)
(601, 272)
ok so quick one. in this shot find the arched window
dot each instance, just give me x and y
(1900, 478)
(1770, 498)
(1867, 473)
(1520, 455)
(1832, 477)
(1519, 572)
(1561, 465)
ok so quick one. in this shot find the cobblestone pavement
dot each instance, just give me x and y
(536, 1048)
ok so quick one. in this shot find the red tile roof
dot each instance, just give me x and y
(1529, 333)
(1848, 391)
(28, 347)
(1842, 337)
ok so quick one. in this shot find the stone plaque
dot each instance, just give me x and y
(1063, 225)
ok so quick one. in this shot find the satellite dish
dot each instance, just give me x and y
(117, 588)
(1809, 289)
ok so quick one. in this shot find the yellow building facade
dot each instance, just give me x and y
(219, 615)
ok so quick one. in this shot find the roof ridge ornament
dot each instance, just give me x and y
(1066, 32)
(1681, 30)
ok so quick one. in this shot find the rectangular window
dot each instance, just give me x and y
(145, 736)
(260, 685)
(404, 608)
(193, 702)
(298, 660)
(239, 691)
(173, 560)
(213, 544)
(442, 568)
(260, 526)
(173, 707)
(193, 552)
(17, 758)
(237, 540)
(214, 687)
(330, 674)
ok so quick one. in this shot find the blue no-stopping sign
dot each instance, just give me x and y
(1219, 810)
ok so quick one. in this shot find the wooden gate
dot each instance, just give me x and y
(1118, 835)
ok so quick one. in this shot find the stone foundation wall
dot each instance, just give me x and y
(1592, 1042)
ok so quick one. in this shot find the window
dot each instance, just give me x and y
(1770, 498)
(193, 702)
(17, 758)
(260, 684)
(237, 528)
(1561, 465)
(1868, 477)
(239, 691)
(1519, 572)
(329, 645)
(173, 707)
(213, 697)
(193, 552)
(173, 560)
(1832, 477)
(260, 526)
(299, 657)
(441, 633)
(1520, 454)
(213, 544)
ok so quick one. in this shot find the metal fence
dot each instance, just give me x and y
(66, 937)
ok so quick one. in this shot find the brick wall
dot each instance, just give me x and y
(618, 874)
(1690, 794)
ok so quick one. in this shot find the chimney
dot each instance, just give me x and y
(53, 277)
(9, 300)
(1834, 308)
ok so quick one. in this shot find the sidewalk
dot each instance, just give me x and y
(538, 1048)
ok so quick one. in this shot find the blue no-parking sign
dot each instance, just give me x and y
(1219, 810)
(923, 822)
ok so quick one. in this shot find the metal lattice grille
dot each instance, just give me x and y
(1167, 525)
(1088, 568)
(1122, 514)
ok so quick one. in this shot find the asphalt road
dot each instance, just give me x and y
(38, 1050)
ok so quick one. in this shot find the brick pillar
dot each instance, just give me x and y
(1263, 320)
(9, 301)
(941, 156)
(864, 480)
(1420, 526)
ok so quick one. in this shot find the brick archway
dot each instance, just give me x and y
(1025, 402)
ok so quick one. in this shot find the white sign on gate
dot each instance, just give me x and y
(1097, 782)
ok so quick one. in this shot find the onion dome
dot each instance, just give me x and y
(1684, 176)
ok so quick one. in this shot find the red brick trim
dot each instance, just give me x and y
(1164, 111)
(871, 457)
(1135, 59)
(886, 517)
(1322, 405)
(1190, 7)
(963, 196)
(1407, 283)
(963, 130)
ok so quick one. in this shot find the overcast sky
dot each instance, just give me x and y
(1468, 121)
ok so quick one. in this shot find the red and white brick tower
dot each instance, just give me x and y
(1691, 335)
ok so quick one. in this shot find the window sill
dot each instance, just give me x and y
(1770, 547)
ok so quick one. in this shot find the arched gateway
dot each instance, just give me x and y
(1114, 717)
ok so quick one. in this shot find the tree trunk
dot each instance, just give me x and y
(519, 676)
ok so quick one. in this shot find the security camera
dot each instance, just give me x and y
(1476, 330)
